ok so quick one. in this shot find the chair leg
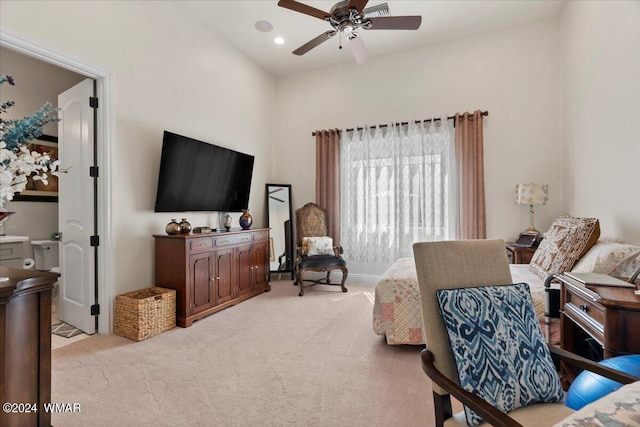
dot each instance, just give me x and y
(344, 279)
(300, 282)
(442, 408)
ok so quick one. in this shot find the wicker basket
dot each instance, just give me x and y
(145, 313)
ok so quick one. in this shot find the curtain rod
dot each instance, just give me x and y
(437, 119)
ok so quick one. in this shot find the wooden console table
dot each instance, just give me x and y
(25, 344)
(610, 315)
(212, 271)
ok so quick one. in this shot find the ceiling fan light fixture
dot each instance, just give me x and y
(278, 40)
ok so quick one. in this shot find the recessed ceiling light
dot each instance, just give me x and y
(263, 26)
(278, 40)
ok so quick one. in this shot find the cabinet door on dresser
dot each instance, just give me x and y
(260, 269)
(224, 277)
(245, 269)
(200, 269)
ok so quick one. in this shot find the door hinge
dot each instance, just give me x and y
(94, 240)
(93, 171)
(93, 102)
(95, 309)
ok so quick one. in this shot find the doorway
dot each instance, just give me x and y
(104, 157)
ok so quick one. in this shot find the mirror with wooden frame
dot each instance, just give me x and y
(280, 221)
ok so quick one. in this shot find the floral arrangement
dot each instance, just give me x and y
(17, 163)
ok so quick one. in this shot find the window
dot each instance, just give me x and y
(395, 189)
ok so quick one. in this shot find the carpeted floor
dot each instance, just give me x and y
(274, 360)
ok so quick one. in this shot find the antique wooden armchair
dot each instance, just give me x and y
(311, 222)
(468, 264)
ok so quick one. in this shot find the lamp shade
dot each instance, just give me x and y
(532, 194)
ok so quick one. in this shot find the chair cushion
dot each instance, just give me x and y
(321, 261)
(498, 347)
(318, 245)
(564, 243)
(537, 414)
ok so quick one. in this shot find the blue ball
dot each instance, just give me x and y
(589, 387)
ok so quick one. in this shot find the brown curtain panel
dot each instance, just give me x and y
(328, 178)
(470, 162)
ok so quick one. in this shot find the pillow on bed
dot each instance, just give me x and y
(613, 258)
(564, 243)
(498, 347)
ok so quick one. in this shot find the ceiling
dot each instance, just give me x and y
(234, 21)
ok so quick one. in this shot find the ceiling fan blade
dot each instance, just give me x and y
(357, 4)
(275, 198)
(314, 42)
(358, 49)
(395, 23)
(303, 8)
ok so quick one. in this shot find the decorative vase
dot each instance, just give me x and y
(185, 226)
(245, 219)
(227, 222)
(172, 228)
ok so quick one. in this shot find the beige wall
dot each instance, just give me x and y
(514, 73)
(169, 72)
(36, 82)
(602, 110)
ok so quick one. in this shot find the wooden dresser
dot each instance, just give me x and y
(212, 271)
(610, 315)
(25, 345)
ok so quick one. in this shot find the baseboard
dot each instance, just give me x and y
(363, 278)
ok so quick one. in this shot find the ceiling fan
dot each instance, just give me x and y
(346, 17)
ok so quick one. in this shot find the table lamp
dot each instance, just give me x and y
(532, 194)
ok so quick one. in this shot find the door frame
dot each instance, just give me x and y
(104, 151)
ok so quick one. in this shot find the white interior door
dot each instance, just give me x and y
(76, 207)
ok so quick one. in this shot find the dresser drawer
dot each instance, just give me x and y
(198, 245)
(260, 235)
(586, 307)
(11, 251)
(233, 240)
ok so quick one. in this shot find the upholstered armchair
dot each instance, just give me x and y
(315, 251)
(447, 270)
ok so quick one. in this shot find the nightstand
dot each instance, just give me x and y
(608, 315)
(518, 254)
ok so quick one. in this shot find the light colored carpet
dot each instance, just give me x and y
(274, 360)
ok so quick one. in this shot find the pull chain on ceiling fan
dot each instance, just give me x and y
(346, 17)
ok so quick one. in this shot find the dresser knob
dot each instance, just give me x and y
(584, 307)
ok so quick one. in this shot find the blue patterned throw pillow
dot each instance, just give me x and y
(499, 347)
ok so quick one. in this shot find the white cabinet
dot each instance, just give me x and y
(12, 251)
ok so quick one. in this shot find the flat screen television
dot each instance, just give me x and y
(198, 176)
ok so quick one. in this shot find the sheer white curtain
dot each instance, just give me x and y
(396, 188)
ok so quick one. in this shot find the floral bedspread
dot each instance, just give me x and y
(619, 408)
(397, 312)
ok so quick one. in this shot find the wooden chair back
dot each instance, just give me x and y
(311, 221)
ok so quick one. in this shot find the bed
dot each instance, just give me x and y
(397, 313)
